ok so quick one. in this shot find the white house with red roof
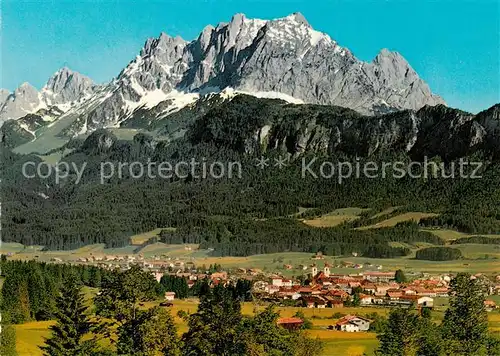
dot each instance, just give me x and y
(352, 323)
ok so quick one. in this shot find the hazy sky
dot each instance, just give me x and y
(453, 45)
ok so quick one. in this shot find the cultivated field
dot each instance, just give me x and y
(276, 261)
(335, 218)
(412, 216)
(449, 235)
(145, 236)
(31, 335)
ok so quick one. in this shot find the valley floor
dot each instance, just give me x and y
(336, 343)
(479, 258)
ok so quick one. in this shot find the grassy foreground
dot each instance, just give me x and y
(31, 335)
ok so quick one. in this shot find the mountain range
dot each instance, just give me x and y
(243, 90)
(283, 58)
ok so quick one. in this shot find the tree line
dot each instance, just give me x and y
(463, 331)
(69, 215)
(439, 254)
(216, 328)
(30, 288)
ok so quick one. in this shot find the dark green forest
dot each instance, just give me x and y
(257, 213)
(439, 254)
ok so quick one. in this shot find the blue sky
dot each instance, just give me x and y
(453, 45)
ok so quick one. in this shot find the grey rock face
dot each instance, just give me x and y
(212, 58)
(490, 120)
(285, 56)
(288, 56)
(66, 86)
(4, 94)
(433, 131)
(22, 101)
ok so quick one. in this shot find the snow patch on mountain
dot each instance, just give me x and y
(284, 58)
(273, 95)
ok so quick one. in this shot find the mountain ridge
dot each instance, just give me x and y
(64, 89)
(284, 55)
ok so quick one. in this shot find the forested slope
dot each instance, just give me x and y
(252, 213)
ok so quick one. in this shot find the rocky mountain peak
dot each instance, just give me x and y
(4, 94)
(163, 44)
(205, 36)
(23, 100)
(238, 19)
(293, 30)
(67, 86)
(390, 58)
(493, 113)
(283, 57)
(394, 68)
(297, 17)
(25, 89)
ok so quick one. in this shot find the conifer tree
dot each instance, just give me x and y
(213, 328)
(24, 301)
(400, 334)
(400, 276)
(72, 324)
(7, 336)
(465, 324)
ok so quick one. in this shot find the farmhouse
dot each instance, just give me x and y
(290, 323)
(394, 294)
(426, 302)
(170, 296)
(352, 323)
(277, 281)
(219, 276)
(157, 276)
(365, 299)
(288, 293)
(379, 276)
(490, 305)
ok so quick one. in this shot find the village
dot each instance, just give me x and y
(323, 289)
(342, 301)
(315, 286)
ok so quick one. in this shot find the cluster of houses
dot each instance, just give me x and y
(323, 289)
(214, 278)
(123, 262)
(369, 288)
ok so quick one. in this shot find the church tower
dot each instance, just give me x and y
(314, 270)
(326, 270)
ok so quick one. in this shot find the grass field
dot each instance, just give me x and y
(385, 212)
(477, 251)
(145, 236)
(173, 251)
(55, 157)
(13, 247)
(50, 138)
(123, 133)
(479, 258)
(32, 334)
(275, 261)
(338, 343)
(412, 216)
(449, 235)
(335, 218)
